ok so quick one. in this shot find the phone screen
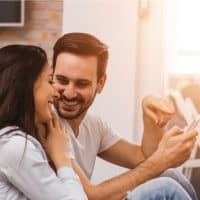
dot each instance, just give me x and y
(195, 124)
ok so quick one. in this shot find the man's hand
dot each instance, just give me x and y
(157, 111)
(175, 147)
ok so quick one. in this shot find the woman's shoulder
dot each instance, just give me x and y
(14, 145)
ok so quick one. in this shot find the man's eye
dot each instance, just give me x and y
(51, 82)
(64, 82)
(83, 84)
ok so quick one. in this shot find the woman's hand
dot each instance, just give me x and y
(55, 143)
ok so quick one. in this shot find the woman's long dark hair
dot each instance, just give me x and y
(20, 66)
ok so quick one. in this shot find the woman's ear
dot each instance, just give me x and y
(101, 83)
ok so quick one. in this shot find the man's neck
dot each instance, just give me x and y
(75, 123)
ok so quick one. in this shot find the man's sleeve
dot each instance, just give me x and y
(108, 136)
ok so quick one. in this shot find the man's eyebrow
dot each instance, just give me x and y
(84, 81)
(78, 80)
(60, 76)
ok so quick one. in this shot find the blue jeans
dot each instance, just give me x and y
(172, 185)
(182, 180)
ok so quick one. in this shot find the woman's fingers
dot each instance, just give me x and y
(50, 125)
(56, 121)
(41, 137)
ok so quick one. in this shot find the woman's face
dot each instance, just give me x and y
(44, 95)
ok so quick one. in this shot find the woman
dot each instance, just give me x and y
(26, 95)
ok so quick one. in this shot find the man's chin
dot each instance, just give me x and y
(76, 113)
(69, 115)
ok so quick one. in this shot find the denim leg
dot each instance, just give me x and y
(182, 180)
(162, 188)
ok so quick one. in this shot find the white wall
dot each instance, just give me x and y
(151, 64)
(115, 23)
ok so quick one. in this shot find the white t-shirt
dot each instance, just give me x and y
(95, 136)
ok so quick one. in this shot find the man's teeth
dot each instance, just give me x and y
(70, 103)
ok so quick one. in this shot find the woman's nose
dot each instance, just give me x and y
(56, 94)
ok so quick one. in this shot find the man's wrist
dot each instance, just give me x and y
(151, 127)
(158, 162)
(149, 123)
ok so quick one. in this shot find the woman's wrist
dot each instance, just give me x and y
(62, 161)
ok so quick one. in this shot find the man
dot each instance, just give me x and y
(79, 64)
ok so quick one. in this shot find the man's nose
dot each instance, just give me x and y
(70, 92)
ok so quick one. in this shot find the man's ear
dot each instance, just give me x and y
(101, 83)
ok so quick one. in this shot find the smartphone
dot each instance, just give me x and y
(195, 124)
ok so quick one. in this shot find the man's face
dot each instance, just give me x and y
(75, 79)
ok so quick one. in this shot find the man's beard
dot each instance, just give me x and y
(82, 110)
